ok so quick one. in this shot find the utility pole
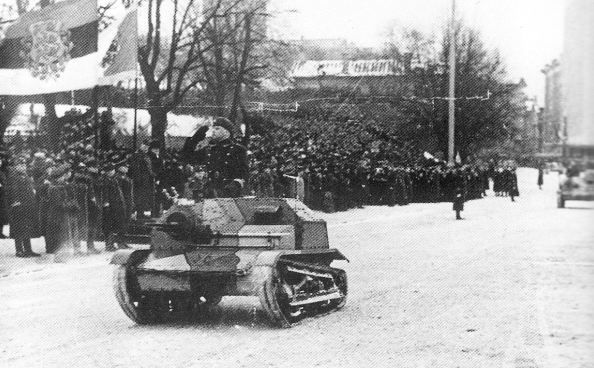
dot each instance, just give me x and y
(451, 100)
(540, 127)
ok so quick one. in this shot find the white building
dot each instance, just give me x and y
(578, 73)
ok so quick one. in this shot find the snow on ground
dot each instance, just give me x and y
(510, 286)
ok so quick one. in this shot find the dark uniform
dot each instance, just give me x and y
(92, 211)
(22, 209)
(114, 212)
(143, 177)
(227, 168)
(459, 182)
(226, 162)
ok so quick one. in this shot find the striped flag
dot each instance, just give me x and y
(53, 49)
(118, 49)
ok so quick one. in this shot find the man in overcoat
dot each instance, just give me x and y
(459, 181)
(114, 210)
(22, 209)
(143, 177)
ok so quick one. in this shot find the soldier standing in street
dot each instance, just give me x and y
(226, 162)
(459, 192)
(540, 180)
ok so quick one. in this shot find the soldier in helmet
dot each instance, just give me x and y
(226, 162)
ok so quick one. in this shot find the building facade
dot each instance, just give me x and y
(364, 77)
(552, 116)
(578, 75)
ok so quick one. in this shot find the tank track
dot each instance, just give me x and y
(151, 308)
(293, 291)
(297, 290)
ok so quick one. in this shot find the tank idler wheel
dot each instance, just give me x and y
(276, 302)
(140, 308)
(275, 297)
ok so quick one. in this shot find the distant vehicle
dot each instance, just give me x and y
(576, 188)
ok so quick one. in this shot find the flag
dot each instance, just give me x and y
(118, 49)
(53, 49)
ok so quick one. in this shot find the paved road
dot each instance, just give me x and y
(512, 285)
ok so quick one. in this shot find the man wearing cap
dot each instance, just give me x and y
(127, 189)
(143, 177)
(114, 210)
(22, 209)
(226, 162)
(82, 176)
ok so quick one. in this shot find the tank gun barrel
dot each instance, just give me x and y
(181, 230)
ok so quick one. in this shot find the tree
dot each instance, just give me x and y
(168, 62)
(487, 104)
(233, 53)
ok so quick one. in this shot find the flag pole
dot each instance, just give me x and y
(135, 133)
(95, 103)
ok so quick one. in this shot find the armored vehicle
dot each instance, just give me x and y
(273, 248)
(576, 188)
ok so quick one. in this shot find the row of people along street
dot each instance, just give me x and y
(84, 194)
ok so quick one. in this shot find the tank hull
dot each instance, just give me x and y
(283, 260)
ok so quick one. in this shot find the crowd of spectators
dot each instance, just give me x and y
(86, 191)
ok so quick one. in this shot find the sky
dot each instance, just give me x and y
(527, 33)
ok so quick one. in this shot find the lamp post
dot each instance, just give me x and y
(540, 127)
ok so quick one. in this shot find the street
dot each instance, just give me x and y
(511, 285)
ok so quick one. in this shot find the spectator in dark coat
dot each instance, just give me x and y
(114, 210)
(459, 193)
(82, 177)
(22, 206)
(143, 177)
(66, 213)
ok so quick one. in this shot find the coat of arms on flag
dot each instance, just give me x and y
(47, 50)
(52, 49)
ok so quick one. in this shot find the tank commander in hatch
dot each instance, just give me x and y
(226, 161)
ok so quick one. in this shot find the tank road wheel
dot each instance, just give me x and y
(275, 302)
(140, 308)
(560, 201)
